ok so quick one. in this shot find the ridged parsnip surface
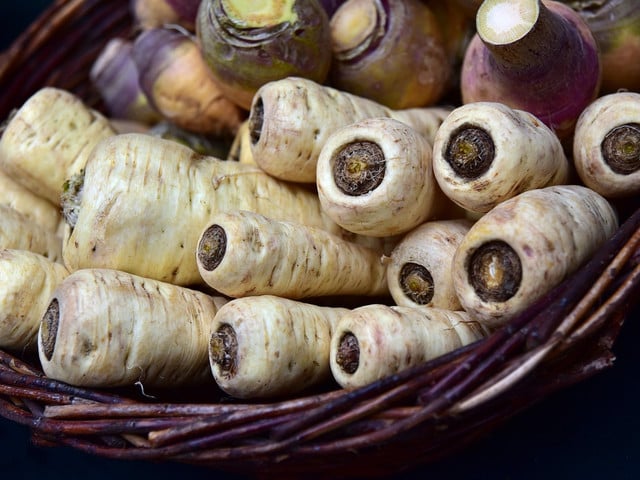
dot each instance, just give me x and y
(20, 233)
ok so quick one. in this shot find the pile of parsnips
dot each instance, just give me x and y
(341, 239)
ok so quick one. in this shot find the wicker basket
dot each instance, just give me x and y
(415, 417)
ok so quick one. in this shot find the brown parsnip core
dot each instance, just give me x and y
(470, 151)
(621, 148)
(256, 120)
(212, 247)
(416, 283)
(495, 271)
(348, 353)
(49, 328)
(223, 349)
(359, 167)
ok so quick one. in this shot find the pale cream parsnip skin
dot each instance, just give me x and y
(406, 195)
(419, 269)
(244, 253)
(281, 346)
(393, 338)
(594, 125)
(28, 280)
(552, 231)
(240, 150)
(527, 155)
(291, 120)
(107, 328)
(145, 202)
(49, 139)
(20, 233)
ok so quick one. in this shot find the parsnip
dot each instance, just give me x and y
(525, 246)
(606, 145)
(375, 177)
(419, 270)
(243, 253)
(49, 139)
(291, 120)
(20, 233)
(374, 341)
(487, 152)
(240, 150)
(28, 280)
(107, 328)
(268, 346)
(143, 203)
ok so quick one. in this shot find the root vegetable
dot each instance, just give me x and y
(210, 145)
(606, 145)
(268, 346)
(419, 270)
(375, 177)
(533, 55)
(177, 81)
(49, 139)
(20, 233)
(243, 253)
(28, 281)
(240, 150)
(375, 341)
(247, 45)
(157, 13)
(291, 119)
(143, 202)
(106, 328)
(487, 152)
(527, 245)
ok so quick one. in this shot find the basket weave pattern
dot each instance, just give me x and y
(413, 417)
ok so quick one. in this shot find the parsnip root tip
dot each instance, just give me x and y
(49, 329)
(416, 283)
(348, 353)
(495, 271)
(212, 247)
(621, 148)
(470, 151)
(223, 349)
(359, 167)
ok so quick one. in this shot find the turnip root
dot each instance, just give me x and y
(269, 346)
(49, 139)
(375, 177)
(375, 341)
(28, 280)
(419, 270)
(533, 55)
(41, 211)
(243, 253)
(106, 328)
(487, 152)
(606, 145)
(143, 202)
(527, 245)
(21, 233)
(291, 120)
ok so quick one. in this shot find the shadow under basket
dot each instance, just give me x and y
(417, 416)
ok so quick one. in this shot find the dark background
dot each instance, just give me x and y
(591, 430)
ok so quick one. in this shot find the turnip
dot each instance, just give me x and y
(243, 253)
(21, 233)
(419, 270)
(487, 152)
(606, 145)
(49, 139)
(106, 328)
(178, 83)
(28, 280)
(375, 177)
(525, 246)
(267, 346)
(532, 55)
(391, 52)
(373, 341)
(143, 202)
(291, 119)
(247, 45)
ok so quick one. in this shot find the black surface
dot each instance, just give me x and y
(588, 431)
